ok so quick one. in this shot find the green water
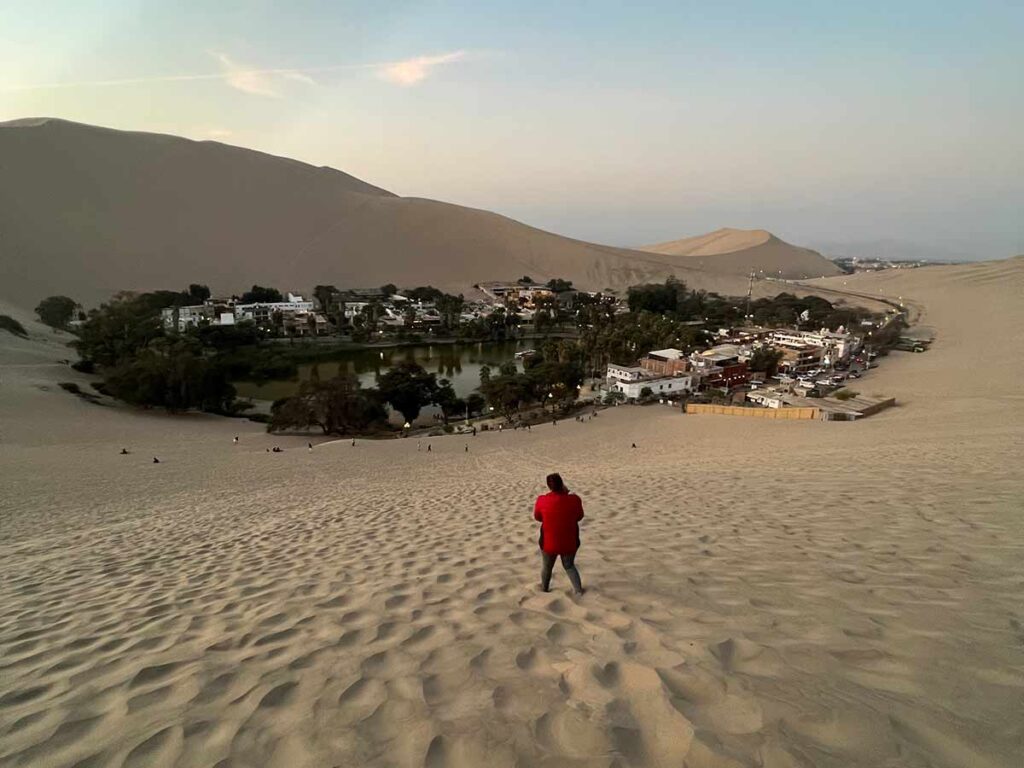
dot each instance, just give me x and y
(459, 363)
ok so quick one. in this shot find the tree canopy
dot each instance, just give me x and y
(336, 406)
(57, 311)
(261, 295)
(407, 388)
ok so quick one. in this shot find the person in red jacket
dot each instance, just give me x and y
(559, 513)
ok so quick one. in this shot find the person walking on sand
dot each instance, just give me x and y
(559, 513)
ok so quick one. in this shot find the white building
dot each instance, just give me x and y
(662, 386)
(182, 318)
(262, 312)
(837, 345)
(624, 373)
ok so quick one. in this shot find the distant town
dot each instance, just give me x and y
(796, 368)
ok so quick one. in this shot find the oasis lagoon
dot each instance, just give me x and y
(459, 363)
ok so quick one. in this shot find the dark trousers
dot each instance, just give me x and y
(568, 562)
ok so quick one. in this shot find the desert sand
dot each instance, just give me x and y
(759, 594)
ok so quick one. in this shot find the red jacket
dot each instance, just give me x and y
(559, 515)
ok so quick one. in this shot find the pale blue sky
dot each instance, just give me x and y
(625, 123)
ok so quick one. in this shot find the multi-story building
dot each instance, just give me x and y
(721, 366)
(836, 345)
(798, 358)
(665, 362)
(624, 373)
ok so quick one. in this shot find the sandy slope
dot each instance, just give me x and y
(788, 594)
(89, 211)
(741, 251)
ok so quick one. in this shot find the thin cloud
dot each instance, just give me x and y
(259, 82)
(266, 82)
(412, 71)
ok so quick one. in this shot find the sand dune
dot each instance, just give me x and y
(88, 211)
(741, 251)
(760, 594)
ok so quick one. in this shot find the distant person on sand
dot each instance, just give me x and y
(124, 451)
(236, 439)
(156, 460)
(559, 513)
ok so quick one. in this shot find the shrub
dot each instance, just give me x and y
(8, 323)
(84, 366)
(846, 394)
(70, 386)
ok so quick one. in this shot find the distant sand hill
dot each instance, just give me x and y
(740, 251)
(88, 211)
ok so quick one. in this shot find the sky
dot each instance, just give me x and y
(893, 127)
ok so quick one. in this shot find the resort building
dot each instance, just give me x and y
(660, 386)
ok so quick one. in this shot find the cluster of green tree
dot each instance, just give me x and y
(125, 339)
(883, 338)
(259, 294)
(551, 376)
(364, 325)
(9, 324)
(675, 299)
(58, 311)
(765, 359)
(556, 284)
(336, 406)
(171, 373)
(500, 325)
(621, 339)
(341, 406)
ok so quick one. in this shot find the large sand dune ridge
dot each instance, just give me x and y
(760, 594)
(89, 211)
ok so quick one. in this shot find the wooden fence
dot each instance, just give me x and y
(754, 413)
